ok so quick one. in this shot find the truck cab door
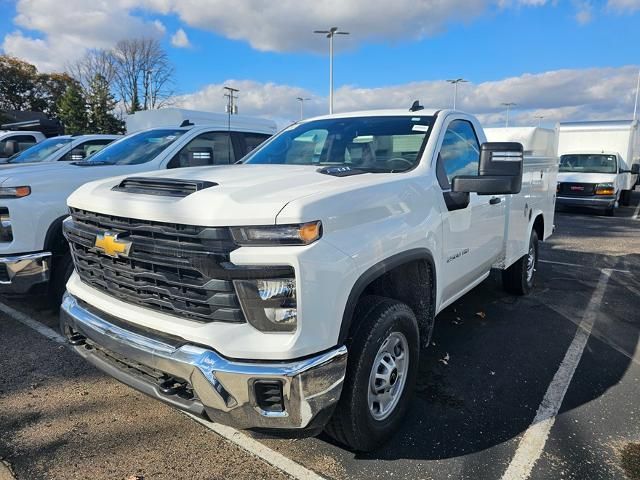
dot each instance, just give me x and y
(473, 225)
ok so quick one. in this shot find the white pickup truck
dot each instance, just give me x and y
(33, 253)
(295, 291)
(15, 141)
(64, 148)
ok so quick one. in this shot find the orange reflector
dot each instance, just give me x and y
(310, 232)
(604, 191)
(23, 191)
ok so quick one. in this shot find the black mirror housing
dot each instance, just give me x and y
(635, 168)
(500, 170)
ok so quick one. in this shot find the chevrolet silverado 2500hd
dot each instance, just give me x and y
(33, 252)
(295, 291)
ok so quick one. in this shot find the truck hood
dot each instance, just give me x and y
(577, 177)
(243, 194)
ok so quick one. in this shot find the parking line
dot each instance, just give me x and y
(636, 213)
(26, 320)
(551, 262)
(258, 449)
(230, 434)
(535, 437)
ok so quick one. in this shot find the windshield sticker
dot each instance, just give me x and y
(420, 128)
(416, 119)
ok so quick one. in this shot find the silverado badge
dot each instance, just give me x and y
(109, 244)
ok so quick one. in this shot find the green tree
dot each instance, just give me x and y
(72, 110)
(101, 104)
(50, 88)
(17, 84)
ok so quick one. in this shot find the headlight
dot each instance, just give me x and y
(269, 305)
(6, 232)
(300, 234)
(14, 192)
(604, 189)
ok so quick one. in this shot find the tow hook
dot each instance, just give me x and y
(77, 340)
(170, 386)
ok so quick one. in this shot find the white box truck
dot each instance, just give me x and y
(296, 291)
(599, 163)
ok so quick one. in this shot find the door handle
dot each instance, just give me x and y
(495, 201)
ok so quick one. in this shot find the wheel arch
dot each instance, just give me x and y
(406, 269)
(54, 240)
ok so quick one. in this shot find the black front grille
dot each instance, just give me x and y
(572, 189)
(181, 270)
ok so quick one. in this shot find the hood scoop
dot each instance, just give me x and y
(166, 187)
(341, 171)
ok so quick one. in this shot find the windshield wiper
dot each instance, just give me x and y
(91, 163)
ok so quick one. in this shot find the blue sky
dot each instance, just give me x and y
(561, 59)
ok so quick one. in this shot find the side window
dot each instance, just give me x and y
(459, 154)
(211, 148)
(85, 150)
(253, 140)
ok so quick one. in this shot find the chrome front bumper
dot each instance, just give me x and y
(221, 389)
(19, 273)
(592, 201)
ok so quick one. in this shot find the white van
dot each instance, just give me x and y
(599, 163)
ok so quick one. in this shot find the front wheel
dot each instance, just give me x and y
(520, 277)
(62, 269)
(381, 374)
(625, 198)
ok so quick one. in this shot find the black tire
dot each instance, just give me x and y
(625, 198)
(61, 271)
(610, 211)
(353, 424)
(517, 279)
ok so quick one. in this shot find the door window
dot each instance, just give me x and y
(85, 150)
(459, 154)
(211, 148)
(253, 140)
(23, 141)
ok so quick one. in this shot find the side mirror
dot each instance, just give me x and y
(635, 169)
(500, 170)
(11, 147)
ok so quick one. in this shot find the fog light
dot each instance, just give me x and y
(6, 232)
(270, 304)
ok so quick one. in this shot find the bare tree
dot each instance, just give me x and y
(144, 74)
(93, 63)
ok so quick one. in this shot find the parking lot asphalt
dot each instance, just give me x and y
(545, 386)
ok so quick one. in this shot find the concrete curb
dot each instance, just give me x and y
(5, 471)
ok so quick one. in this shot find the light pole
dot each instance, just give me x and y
(302, 100)
(539, 117)
(455, 83)
(635, 106)
(508, 105)
(231, 108)
(330, 34)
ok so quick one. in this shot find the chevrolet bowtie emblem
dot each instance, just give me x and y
(109, 244)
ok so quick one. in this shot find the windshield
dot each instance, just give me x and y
(138, 148)
(41, 151)
(373, 144)
(597, 163)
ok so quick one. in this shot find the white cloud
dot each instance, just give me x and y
(584, 13)
(624, 5)
(597, 93)
(67, 30)
(180, 39)
(64, 32)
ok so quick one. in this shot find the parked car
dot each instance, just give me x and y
(599, 163)
(66, 148)
(295, 291)
(33, 252)
(12, 142)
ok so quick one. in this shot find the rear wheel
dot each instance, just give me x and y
(381, 373)
(520, 277)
